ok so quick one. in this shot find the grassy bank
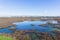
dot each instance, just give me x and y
(5, 38)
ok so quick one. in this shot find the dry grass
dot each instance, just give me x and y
(7, 21)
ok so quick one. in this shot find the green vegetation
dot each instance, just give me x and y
(56, 29)
(5, 38)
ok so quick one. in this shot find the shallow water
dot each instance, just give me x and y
(6, 30)
(27, 25)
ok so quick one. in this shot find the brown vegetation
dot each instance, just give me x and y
(7, 21)
(23, 35)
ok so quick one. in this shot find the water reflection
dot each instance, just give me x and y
(38, 26)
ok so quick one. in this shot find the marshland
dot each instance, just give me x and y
(30, 28)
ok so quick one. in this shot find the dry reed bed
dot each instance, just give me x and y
(7, 21)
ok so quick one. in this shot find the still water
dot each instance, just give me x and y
(30, 25)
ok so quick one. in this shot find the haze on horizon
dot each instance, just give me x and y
(29, 8)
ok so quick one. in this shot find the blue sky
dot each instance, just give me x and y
(29, 7)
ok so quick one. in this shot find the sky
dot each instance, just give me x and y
(29, 8)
